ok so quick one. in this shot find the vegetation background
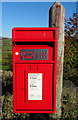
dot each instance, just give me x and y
(69, 96)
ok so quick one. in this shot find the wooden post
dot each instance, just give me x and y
(56, 19)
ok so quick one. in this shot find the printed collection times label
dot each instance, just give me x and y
(34, 86)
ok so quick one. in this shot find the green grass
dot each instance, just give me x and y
(6, 50)
(6, 67)
(7, 45)
(0, 58)
(0, 67)
(4, 55)
(7, 41)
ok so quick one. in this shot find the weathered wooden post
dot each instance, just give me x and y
(56, 19)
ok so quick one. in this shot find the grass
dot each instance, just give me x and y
(6, 67)
(7, 45)
(0, 58)
(7, 41)
(6, 50)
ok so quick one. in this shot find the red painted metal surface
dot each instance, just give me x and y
(34, 53)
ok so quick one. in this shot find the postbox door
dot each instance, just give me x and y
(33, 86)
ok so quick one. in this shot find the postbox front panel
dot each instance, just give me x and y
(33, 87)
(34, 69)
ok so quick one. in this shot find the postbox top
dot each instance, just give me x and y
(34, 34)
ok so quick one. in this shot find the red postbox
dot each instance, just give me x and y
(34, 53)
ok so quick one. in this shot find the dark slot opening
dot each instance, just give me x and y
(51, 44)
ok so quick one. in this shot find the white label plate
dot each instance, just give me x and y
(34, 86)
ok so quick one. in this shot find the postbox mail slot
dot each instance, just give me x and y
(33, 35)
